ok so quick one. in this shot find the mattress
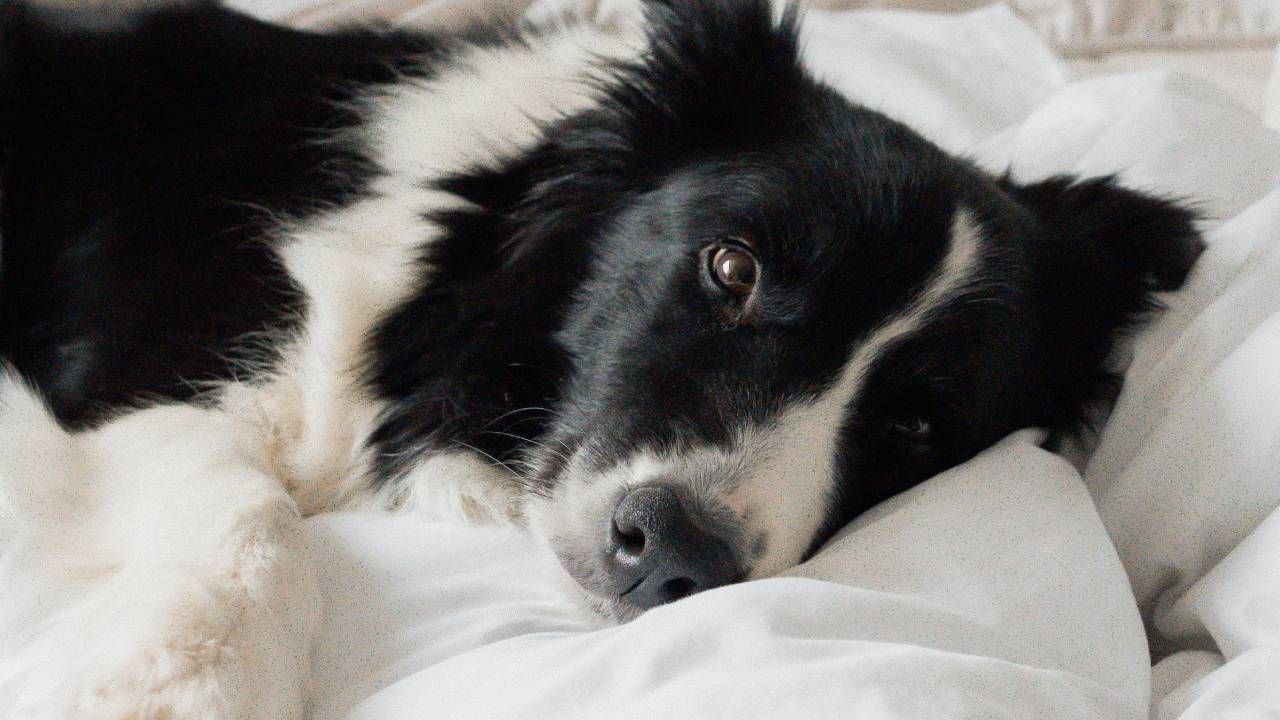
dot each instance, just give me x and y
(1142, 581)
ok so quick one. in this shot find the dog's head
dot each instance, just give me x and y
(774, 308)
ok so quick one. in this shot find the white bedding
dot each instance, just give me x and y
(936, 605)
(1015, 586)
(993, 590)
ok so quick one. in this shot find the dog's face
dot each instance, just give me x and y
(756, 310)
(764, 348)
(808, 311)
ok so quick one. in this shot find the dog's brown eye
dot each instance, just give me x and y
(733, 269)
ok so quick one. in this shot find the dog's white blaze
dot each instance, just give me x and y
(789, 489)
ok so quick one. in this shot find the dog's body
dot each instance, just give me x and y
(677, 306)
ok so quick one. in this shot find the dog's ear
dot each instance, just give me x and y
(718, 76)
(1097, 253)
(1121, 232)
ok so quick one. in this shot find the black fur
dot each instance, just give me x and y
(144, 156)
(569, 307)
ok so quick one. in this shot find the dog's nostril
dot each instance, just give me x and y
(629, 539)
(677, 588)
(657, 551)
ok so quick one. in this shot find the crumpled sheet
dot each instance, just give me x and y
(1187, 478)
(1000, 589)
(991, 592)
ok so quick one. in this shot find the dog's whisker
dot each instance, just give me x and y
(517, 411)
(555, 453)
(526, 483)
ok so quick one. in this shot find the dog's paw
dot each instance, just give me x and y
(128, 651)
(222, 640)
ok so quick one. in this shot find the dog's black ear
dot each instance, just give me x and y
(1097, 253)
(1117, 231)
(718, 76)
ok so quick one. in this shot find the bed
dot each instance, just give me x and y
(1137, 576)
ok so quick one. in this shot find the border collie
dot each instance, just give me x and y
(672, 303)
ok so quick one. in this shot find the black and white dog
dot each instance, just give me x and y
(669, 301)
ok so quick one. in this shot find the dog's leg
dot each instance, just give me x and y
(148, 569)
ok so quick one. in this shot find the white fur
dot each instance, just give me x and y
(151, 570)
(455, 487)
(34, 448)
(776, 478)
(154, 568)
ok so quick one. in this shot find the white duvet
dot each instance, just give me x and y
(1010, 587)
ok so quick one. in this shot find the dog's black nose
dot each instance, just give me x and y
(657, 553)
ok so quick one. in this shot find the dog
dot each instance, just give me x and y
(667, 300)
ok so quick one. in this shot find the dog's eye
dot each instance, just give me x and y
(916, 430)
(733, 268)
